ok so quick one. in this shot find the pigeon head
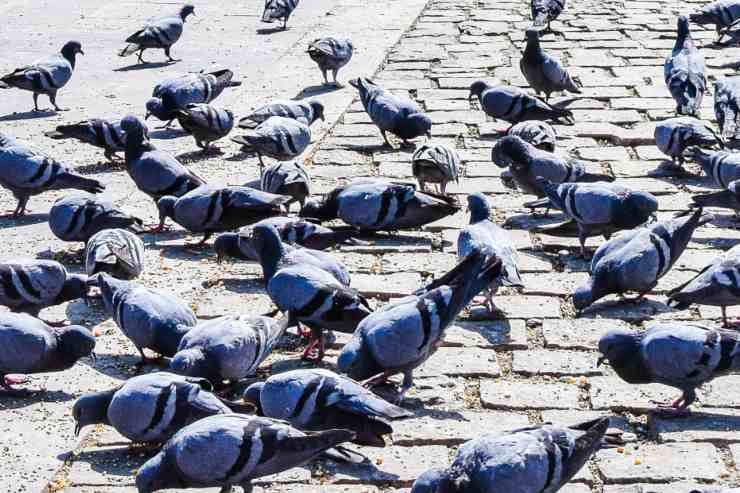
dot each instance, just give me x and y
(435, 481)
(166, 207)
(683, 27)
(132, 125)
(510, 150)
(317, 209)
(479, 207)
(75, 287)
(583, 296)
(252, 396)
(158, 474)
(193, 362)
(186, 10)
(477, 88)
(75, 342)
(155, 107)
(230, 245)
(70, 51)
(533, 37)
(318, 111)
(619, 347)
(269, 248)
(644, 205)
(92, 409)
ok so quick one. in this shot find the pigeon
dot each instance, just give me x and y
(278, 9)
(205, 123)
(117, 252)
(540, 458)
(209, 209)
(305, 112)
(680, 355)
(106, 134)
(227, 348)
(309, 285)
(404, 333)
(292, 230)
(374, 205)
(539, 134)
(30, 285)
(685, 73)
(528, 163)
(722, 166)
(176, 93)
(331, 53)
(28, 345)
(514, 105)
(160, 33)
(435, 163)
(725, 199)
(287, 178)
(543, 72)
(546, 11)
(229, 450)
(45, 76)
(636, 259)
(390, 113)
(26, 171)
(674, 135)
(151, 408)
(595, 208)
(278, 137)
(155, 172)
(317, 399)
(77, 217)
(722, 13)
(152, 319)
(716, 285)
(484, 235)
(727, 107)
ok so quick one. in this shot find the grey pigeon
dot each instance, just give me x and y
(150, 318)
(528, 163)
(305, 112)
(26, 171)
(45, 76)
(722, 13)
(485, 236)
(232, 450)
(404, 333)
(278, 137)
(278, 9)
(546, 11)
(176, 93)
(390, 113)
(331, 53)
(155, 172)
(151, 408)
(287, 178)
(319, 399)
(160, 33)
(680, 355)
(205, 123)
(78, 216)
(28, 345)
(435, 163)
(117, 252)
(596, 209)
(722, 167)
(685, 73)
(209, 209)
(727, 107)
(536, 459)
(543, 72)
(227, 348)
(539, 134)
(674, 135)
(374, 205)
(29, 285)
(106, 134)
(636, 259)
(718, 284)
(514, 105)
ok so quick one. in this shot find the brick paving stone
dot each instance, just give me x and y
(396, 465)
(653, 488)
(523, 395)
(549, 362)
(386, 286)
(556, 283)
(461, 361)
(453, 427)
(581, 333)
(611, 392)
(708, 425)
(510, 334)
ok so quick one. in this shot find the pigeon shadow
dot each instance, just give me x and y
(495, 332)
(721, 243)
(534, 220)
(702, 420)
(668, 169)
(124, 366)
(27, 115)
(39, 396)
(102, 167)
(317, 90)
(272, 30)
(143, 66)
(365, 470)
(25, 220)
(626, 309)
(167, 133)
(116, 459)
(199, 155)
(243, 286)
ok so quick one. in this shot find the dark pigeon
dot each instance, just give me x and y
(543, 72)
(160, 33)
(106, 134)
(117, 252)
(205, 123)
(79, 216)
(277, 10)
(685, 73)
(306, 112)
(514, 105)
(331, 53)
(722, 13)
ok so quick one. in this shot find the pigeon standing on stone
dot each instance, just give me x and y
(205, 123)
(514, 105)
(278, 9)
(287, 178)
(160, 33)
(106, 134)
(539, 134)
(305, 112)
(722, 13)
(674, 135)
(45, 76)
(278, 137)
(232, 450)
(546, 11)
(79, 216)
(721, 166)
(543, 72)
(680, 355)
(330, 53)
(435, 163)
(26, 171)
(685, 73)
(117, 252)
(390, 113)
(637, 259)
(727, 107)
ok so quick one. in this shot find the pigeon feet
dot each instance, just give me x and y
(9, 380)
(56, 323)
(315, 350)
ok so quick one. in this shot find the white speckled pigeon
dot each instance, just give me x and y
(159, 33)
(45, 76)
(319, 399)
(514, 105)
(543, 72)
(546, 11)
(636, 259)
(205, 123)
(684, 72)
(26, 171)
(232, 450)
(390, 113)
(106, 134)
(435, 163)
(28, 345)
(305, 112)
(727, 107)
(151, 318)
(722, 13)
(278, 9)
(117, 252)
(680, 355)
(674, 135)
(539, 134)
(287, 178)
(278, 137)
(331, 53)
(79, 216)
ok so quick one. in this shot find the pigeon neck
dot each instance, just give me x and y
(270, 256)
(134, 143)
(629, 365)
(533, 47)
(96, 407)
(684, 36)
(479, 214)
(74, 287)
(70, 55)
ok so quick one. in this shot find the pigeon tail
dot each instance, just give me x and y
(567, 229)
(237, 407)
(725, 199)
(543, 203)
(68, 180)
(129, 50)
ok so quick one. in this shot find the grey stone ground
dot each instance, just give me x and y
(537, 365)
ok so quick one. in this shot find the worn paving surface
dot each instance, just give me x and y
(537, 365)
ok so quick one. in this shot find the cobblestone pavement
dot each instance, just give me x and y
(538, 364)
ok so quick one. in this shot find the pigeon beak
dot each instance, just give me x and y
(78, 429)
(146, 117)
(219, 259)
(600, 361)
(81, 52)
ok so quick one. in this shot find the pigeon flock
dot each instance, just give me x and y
(208, 434)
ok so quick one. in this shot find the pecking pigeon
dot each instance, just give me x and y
(543, 72)
(205, 123)
(722, 166)
(514, 105)
(106, 134)
(685, 73)
(435, 163)
(546, 11)
(278, 9)
(305, 112)
(278, 137)
(330, 53)
(539, 134)
(722, 13)
(117, 252)
(77, 217)
(674, 135)
(287, 178)
(160, 33)
(727, 107)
